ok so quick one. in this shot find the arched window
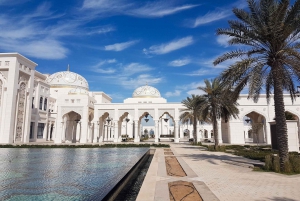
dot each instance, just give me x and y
(45, 104)
(41, 103)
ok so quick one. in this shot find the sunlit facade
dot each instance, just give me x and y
(60, 108)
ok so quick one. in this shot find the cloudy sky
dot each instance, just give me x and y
(119, 45)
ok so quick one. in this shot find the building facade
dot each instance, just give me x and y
(38, 107)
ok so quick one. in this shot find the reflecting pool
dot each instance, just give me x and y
(63, 174)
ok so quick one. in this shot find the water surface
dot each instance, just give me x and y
(63, 174)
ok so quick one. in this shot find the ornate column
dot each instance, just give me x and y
(136, 132)
(116, 131)
(156, 130)
(89, 132)
(53, 131)
(63, 131)
(101, 130)
(45, 131)
(105, 137)
(96, 131)
(176, 123)
(49, 131)
(78, 131)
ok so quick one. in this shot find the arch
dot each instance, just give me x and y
(74, 109)
(293, 113)
(257, 126)
(256, 111)
(167, 114)
(72, 127)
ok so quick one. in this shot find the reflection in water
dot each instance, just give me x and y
(63, 174)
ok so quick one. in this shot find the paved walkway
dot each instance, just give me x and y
(218, 176)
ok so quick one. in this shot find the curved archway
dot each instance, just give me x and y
(71, 127)
(255, 127)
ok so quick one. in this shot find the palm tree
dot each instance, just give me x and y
(269, 33)
(218, 103)
(191, 112)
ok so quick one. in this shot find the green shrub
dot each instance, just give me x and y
(268, 162)
(196, 143)
(221, 148)
(295, 163)
(276, 164)
(160, 145)
(291, 166)
(288, 168)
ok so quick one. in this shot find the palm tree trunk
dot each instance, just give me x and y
(215, 129)
(281, 128)
(195, 129)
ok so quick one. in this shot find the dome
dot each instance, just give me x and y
(67, 79)
(78, 91)
(146, 92)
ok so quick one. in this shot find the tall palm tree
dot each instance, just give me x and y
(269, 33)
(218, 103)
(191, 112)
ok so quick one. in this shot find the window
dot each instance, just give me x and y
(31, 130)
(41, 103)
(32, 105)
(0, 63)
(45, 104)
(40, 130)
(6, 63)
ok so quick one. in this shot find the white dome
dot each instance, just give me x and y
(78, 91)
(146, 92)
(67, 79)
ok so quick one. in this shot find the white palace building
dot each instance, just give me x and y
(36, 107)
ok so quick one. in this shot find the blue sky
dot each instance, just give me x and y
(119, 45)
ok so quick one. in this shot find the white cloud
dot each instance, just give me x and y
(217, 14)
(169, 47)
(159, 9)
(138, 9)
(32, 34)
(202, 72)
(180, 62)
(133, 83)
(98, 68)
(128, 76)
(211, 17)
(172, 94)
(43, 49)
(195, 92)
(102, 30)
(134, 68)
(191, 88)
(110, 61)
(120, 46)
(223, 40)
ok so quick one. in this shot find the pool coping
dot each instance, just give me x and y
(114, 192)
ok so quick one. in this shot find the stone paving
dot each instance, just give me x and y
(217, 179)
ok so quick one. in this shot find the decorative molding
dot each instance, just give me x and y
(22, 79)
(66, 110)
(2, 77)
(21, 111)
